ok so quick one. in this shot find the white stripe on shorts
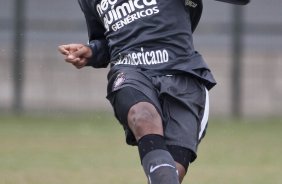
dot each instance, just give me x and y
(204, 121)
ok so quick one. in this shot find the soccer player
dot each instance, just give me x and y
(157, 84)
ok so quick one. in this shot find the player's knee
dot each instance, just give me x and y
(144, 119)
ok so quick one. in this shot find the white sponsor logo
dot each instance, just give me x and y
(116, 17)
(144, 57)
(152, 169)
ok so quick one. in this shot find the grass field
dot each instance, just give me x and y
(91, 150)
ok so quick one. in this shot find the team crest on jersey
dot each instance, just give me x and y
(119, 80)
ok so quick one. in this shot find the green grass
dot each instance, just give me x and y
(91, 150)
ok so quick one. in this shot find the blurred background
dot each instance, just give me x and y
(242, 46)
(57, 127)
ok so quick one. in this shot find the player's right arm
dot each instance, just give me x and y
(97, 41)
(96, 52)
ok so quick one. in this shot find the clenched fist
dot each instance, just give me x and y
(76, 54)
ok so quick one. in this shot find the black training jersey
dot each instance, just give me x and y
(154, 35)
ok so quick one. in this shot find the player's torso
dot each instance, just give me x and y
(146, 32)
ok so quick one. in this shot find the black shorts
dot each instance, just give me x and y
(181, 100)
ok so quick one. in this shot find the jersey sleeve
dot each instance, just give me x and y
(97, 41)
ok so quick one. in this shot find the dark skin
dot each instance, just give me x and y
(143, 118)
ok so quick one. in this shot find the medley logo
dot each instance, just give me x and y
(117, 16)
(144, 57)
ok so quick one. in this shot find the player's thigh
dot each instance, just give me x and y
(128, 87)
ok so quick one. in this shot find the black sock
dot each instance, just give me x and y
(157, 162)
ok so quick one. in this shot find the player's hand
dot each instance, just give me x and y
(76, 54)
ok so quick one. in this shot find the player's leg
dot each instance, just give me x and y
(142, 120)
(183, 102)
(137, 107)
(182, 157)
(146, 124)
(181, 171)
